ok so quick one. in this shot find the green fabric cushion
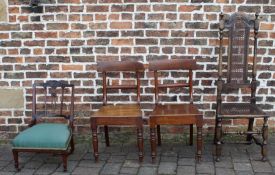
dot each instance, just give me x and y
(44, 136)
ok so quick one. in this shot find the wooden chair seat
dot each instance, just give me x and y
(176, 114)
(121, 110)
(241, 110)
(181, 110)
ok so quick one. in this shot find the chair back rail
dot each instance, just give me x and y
(53, 95)
(120, 66)
(175, 64)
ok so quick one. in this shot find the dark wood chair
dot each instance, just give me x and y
(51, 127)
(174, 114)
(120, 114)
(239, 26)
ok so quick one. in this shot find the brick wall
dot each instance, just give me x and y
(67, 39)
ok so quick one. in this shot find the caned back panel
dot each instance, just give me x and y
(239, 26)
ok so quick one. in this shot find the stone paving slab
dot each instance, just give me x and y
(173, 158)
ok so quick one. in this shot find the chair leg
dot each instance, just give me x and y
(72, 145)
(106, 131)
(265, 137)
(215, 134)
(65, 160)
(199, 143)
(95, 140)
(218, 137)
(15, 157)
(159, 136)
(191, 135)
(153, 143)
(140, 142)
(250, 128)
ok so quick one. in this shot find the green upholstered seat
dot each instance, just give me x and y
(44, 136)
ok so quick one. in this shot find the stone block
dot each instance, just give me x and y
(3, 11)
(11, 98)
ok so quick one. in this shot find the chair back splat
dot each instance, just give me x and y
(176, 64)
(48, 100)
(117, 66)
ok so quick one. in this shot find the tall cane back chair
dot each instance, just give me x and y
(239, 26)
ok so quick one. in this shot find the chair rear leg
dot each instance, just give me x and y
(65, 161)
(15, 157)
(72, 145)
(95, 140)
(250, 128)
(106, 131)
(218, 137)
(153, 143)
(140, 142)
(191, 135)
(159, 136)
(215, 134)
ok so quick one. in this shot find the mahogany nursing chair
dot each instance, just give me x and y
(51, 127)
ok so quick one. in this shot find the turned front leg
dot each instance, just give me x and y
(140, 142)
(199, 143)
(265, 137)
(95, 139)
(65, 160)
(15, 157)
(153, 142)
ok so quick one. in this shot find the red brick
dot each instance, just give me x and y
(33, 27)
(189, 8)
(121, 25)
(4, 36)
(164, 7)
(57, 26)
(69, 34)
(34, 43)
(70, 67)
(45, 34)
(97, 8)
(57, 43)
(122, 8)
(9, 27)
(36, 75)
(266, 26)
(122, 42)
(171, 25)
